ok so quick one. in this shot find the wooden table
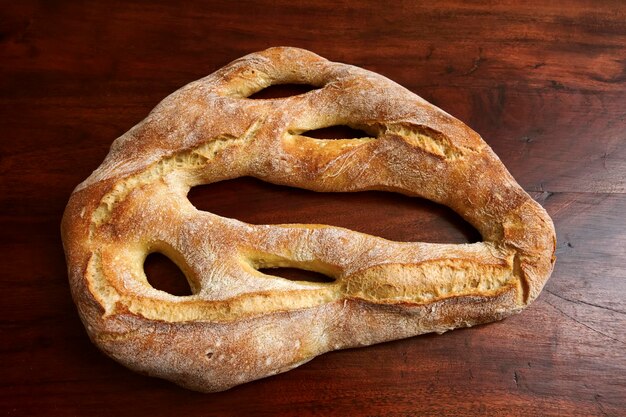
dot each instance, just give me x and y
(544, 84)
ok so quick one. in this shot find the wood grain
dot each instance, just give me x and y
(544, 83)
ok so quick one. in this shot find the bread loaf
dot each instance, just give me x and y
(241, 324)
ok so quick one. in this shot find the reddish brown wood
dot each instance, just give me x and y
(543, 83)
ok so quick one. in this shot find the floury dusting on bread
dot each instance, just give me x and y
(241, 324)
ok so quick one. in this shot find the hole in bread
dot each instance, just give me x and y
(164, 275)
(282, 91)
(389, 215)
(337, 132)
(297, 274)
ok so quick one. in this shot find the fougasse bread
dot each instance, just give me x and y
(241, 324)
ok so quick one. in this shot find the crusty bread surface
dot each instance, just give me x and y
(241, 324)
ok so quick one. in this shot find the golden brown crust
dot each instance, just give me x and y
(240, 324)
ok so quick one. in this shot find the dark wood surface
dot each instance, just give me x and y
(543, 83)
